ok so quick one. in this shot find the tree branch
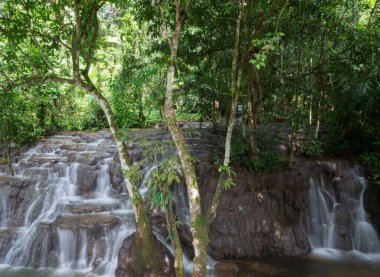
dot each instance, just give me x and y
(373, 14)
(40, 79)
(164, 26)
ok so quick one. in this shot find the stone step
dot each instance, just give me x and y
(86, 221)
(44, 158)
(92, 207)
(36, 172)
(88, 157)
(59, 141)
(75, 147)
(14, 181)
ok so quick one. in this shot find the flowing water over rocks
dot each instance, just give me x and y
(66, 211)
(336, 222)
(67, 208)
(61, 209)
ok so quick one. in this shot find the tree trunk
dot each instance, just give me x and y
(235, 89)
(373, 14)
(8, 148)
(144, 231)
(176, 243)
(197, 225)
(196, 220)
(252, 94)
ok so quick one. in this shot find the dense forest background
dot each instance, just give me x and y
(311, 65)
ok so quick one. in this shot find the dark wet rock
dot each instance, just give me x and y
(18, 193)
(96, 251)
(131, 264)
(117, 178)
(44, 249)
(372, 205)
(86, 179)
(259, 215)
(90, 158)
(6, 237)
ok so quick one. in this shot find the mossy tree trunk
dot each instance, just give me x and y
(197, 224)
(81, 46)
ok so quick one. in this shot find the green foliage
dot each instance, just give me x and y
(161, 179)
(268, 44)
(133, 174)
(311, 146)
(372, 161)
(229, 174)
(268, 157)
(267, 161)
(166, 172)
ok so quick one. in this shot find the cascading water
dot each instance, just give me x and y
(63, 213)
(336, 222)
(66, 213)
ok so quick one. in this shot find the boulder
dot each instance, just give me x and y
(131, 264)
(86, 179)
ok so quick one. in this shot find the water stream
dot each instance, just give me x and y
(70, 223)
(336, 222)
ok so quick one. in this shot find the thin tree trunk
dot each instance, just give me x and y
(235, 89)
(176, 243)
(373, 14)
(197, 226)
(10, 160)
(252, 89)
(8, 148)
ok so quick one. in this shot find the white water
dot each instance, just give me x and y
(65, 233)
(337, 224)
(46, 238)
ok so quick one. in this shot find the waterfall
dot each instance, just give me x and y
(61, 209)
(336, 222)
(66, 213)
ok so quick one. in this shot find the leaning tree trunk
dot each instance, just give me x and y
(197, 225)
(144, 231)
(373, 14)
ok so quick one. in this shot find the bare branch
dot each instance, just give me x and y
(41, 79)
(279, 16)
